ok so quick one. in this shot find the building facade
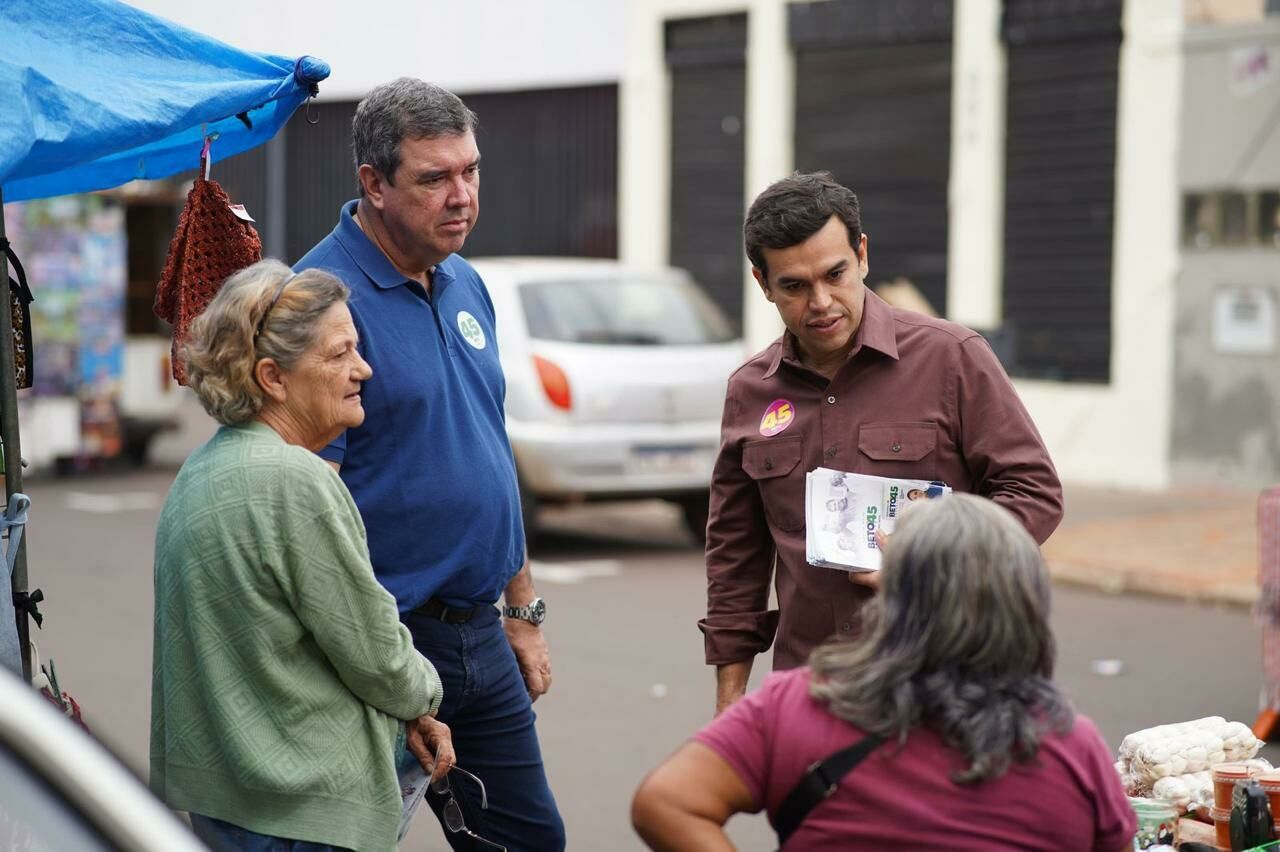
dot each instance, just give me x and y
(1024, 163)
(1069, 178)
(1226, 365)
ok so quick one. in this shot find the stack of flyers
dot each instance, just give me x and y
(414, 781)
(843, 511)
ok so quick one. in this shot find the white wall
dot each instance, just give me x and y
(1224, 11)
(644, 138)
(1119, 434)
(770, 142)
(1221, 95)
(469, 46)
(1116, 434)
(1226, 412)
(975, 250)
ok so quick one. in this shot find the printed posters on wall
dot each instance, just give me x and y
(74, 252)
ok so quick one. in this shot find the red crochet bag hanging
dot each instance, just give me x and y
(212, 242)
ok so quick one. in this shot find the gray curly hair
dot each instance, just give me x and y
(957, 640)
(226, 344)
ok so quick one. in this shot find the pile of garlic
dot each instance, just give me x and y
(1195, 789)
(1172, 762)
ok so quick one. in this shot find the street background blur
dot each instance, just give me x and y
(1093, 184)
(624, 585)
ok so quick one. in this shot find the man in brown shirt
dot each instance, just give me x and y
(852, 384)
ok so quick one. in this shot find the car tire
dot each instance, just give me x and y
(694, 508)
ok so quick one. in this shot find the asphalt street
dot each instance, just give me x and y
(624, 586)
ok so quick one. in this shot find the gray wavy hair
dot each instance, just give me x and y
(957, 640)
(405, 108)
(225, 343)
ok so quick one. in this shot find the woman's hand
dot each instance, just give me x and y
(431, 742)
(871, 579)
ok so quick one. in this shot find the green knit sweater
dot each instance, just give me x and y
(280, 665)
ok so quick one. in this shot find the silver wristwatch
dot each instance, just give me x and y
(534, 613)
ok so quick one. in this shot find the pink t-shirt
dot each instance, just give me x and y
(1069, 798)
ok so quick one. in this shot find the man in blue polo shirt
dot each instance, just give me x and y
(431, 468)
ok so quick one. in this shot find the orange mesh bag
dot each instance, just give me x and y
(211, 243)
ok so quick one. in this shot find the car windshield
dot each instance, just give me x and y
(636, 310)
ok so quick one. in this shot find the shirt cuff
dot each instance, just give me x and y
(735, 637)
(434, 687)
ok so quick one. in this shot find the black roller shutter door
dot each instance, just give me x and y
(873, 107)
(707, 58)
(320, 174)
(549, 179)
(1063, 79)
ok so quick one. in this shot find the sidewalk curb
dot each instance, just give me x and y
(1172, 584)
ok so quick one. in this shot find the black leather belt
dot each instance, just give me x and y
(438, 609)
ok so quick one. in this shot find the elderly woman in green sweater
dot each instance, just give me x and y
(284, 685)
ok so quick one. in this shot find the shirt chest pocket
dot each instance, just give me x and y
(907, 450)
(774, 464)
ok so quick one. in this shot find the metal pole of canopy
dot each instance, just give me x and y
(12, 446)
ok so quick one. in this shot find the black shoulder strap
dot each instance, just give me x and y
(23, 291)
(819, 783)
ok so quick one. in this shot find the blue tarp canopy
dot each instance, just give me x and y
(94, 93)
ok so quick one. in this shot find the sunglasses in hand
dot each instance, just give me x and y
(453, 813)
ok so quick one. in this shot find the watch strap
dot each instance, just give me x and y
(533, 612)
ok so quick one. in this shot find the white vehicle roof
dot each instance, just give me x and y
(539, 268)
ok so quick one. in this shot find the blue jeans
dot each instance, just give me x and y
(489, 712)
(222, 836)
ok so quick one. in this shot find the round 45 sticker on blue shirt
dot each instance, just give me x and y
(471, 330)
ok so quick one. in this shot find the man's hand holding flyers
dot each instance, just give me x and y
(849, 517)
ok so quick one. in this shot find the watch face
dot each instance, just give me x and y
(537, 611)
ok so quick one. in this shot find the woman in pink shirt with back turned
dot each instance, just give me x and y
(954, 670)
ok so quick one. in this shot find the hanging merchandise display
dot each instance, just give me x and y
(121, 95)
(214, 239)
(20, 300)
(75, 248)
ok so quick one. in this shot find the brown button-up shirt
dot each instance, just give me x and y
(918, 398)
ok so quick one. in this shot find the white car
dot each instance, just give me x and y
(60, 790)
(615, 380)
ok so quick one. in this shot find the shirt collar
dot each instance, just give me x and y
(784, 346)
(877, 331)
(371, 260)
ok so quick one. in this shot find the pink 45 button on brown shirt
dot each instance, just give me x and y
(918, 398)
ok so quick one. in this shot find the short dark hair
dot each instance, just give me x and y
(795, 208)
(405, 108)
